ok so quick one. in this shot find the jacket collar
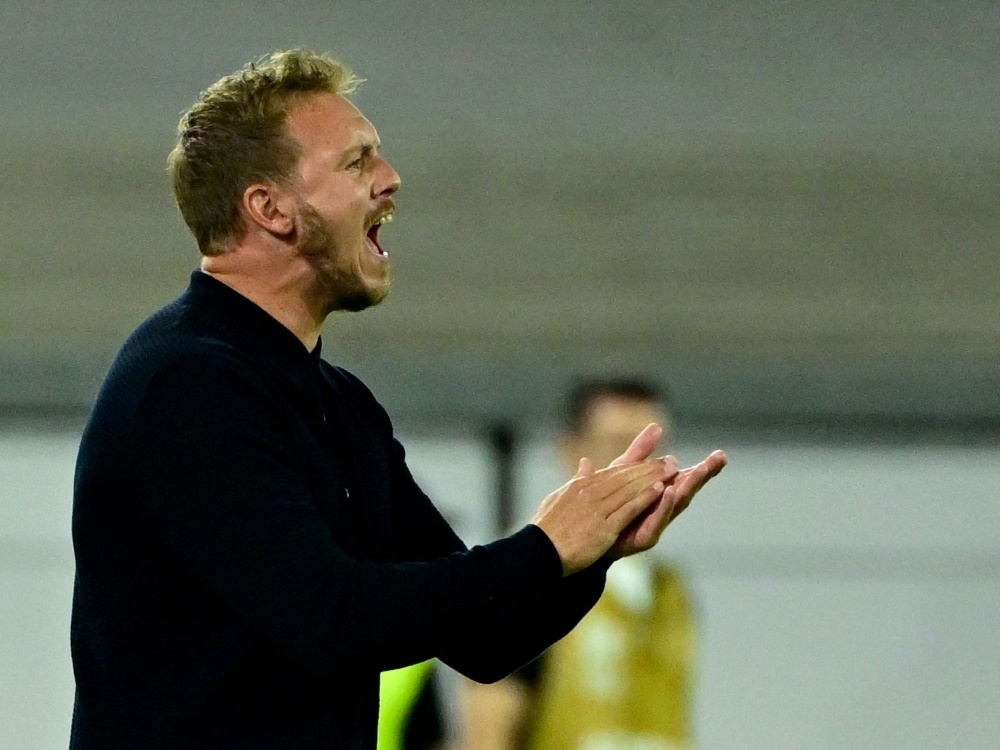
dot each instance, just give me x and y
(253, 330)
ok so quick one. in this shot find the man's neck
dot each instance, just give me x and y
(281, 296)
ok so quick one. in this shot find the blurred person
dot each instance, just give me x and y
(251, 549)
(410, 712)
(621, 678)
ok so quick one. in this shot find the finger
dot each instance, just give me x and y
(650, 525)
(633, 499)
(584, 468)
(678, 503)
(634, 504)
(670, 462)
(642, 445)
(607, 484)
(718, 460)
(701, 472)
(710, 467)
(689, 482)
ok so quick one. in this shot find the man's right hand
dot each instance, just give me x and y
(585, 516)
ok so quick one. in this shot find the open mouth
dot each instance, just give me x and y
(374, 245)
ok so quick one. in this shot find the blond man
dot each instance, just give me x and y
(251, 548)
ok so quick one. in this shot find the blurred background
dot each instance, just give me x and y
(786, 213)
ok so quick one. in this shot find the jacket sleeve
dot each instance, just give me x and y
(521, 620)
(214, 470)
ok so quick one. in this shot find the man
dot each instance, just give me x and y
(251, 548)
(621, 678)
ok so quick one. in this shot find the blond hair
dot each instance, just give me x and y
(235, 136)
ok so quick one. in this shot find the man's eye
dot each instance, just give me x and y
(356, 164)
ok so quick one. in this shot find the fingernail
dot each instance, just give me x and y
(659, 486)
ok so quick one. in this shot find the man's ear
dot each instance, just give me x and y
(268, 207)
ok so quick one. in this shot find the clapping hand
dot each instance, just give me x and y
(644, 532)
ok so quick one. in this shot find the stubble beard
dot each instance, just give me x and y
(343, 289)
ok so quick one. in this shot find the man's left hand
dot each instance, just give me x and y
(644, 532)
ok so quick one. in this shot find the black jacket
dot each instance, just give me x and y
(252, 550)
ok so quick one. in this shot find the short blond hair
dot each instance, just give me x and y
(235, 136)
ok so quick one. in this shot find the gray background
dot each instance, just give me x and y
(786, 210)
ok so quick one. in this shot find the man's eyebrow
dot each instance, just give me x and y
(364, 149)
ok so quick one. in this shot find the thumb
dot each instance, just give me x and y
(642, 446)
(584, 469)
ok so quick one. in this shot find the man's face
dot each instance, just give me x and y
(610, 425)
(343, 190)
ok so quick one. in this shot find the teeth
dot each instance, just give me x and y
(387, 219)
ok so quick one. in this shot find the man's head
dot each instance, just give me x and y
(276, 156)
(602, 417)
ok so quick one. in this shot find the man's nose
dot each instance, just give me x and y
(387, 181)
